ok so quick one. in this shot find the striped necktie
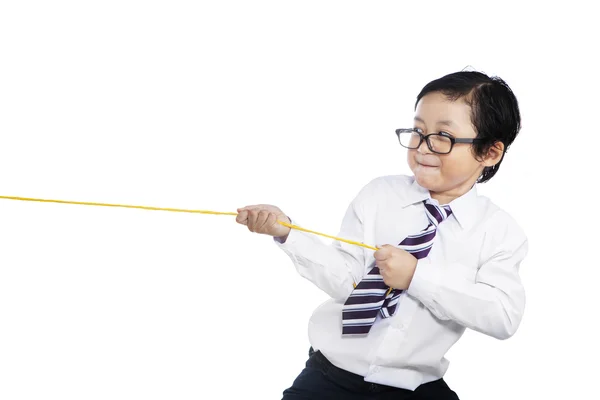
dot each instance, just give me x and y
(369, 296)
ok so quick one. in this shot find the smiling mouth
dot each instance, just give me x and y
(428, 166)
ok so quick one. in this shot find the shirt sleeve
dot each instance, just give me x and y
(335, 267)
(494, 302)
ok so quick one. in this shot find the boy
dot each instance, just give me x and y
(451, 260)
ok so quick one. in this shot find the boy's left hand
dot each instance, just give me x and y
(396, 266)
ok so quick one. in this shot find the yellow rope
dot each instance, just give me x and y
(189, 211)
(184, 210)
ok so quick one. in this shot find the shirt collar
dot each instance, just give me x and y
(415, 194)
(463, 208)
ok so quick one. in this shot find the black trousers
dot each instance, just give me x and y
(321, 380)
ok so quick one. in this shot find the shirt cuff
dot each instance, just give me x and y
(425, 282)
(280, 239)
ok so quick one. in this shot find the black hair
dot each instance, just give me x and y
(494, 110)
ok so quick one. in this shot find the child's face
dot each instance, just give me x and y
(453, 174)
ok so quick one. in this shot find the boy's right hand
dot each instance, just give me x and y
(262, 218)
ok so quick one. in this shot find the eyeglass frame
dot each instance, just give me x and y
(425, 138)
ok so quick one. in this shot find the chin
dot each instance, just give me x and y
(428, 182)
(428, 179)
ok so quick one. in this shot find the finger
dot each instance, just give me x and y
(242, 217)
(260, 207)
(263, 215)
(252, 216)
(382, 254)
(272, 220)
(250, 207)
(386, 279)
(382, 271)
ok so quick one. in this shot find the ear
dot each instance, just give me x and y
(494, 154)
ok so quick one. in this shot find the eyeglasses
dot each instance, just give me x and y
(440, 142)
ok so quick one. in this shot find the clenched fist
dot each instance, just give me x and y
(396, 266)
(262, 218)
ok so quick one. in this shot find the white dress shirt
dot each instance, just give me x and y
(470, 279)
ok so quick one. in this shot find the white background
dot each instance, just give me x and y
(217, 105)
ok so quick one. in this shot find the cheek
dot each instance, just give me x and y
(459, 165)
(410, 158)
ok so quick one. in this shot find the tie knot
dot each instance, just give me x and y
(436, 213)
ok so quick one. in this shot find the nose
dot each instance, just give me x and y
(423, 148)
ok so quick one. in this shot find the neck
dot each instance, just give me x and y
(442, 198)
(445, 197)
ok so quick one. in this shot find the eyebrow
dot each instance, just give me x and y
(446, 122)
